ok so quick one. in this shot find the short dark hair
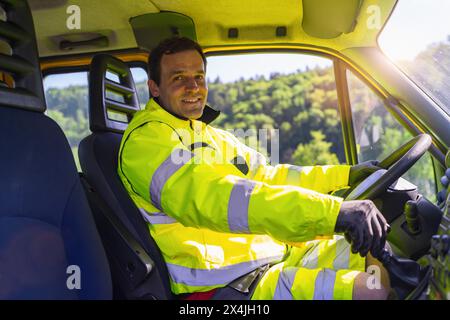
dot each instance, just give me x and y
(169, 46)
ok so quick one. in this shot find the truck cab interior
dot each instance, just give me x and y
(63, 209)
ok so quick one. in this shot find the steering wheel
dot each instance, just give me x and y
(394, 166)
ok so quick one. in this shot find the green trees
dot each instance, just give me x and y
(302, 106)
(69, 108)
(317, 152)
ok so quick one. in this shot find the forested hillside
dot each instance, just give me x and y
(302, 106)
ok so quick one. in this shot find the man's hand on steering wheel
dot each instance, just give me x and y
(362, 170)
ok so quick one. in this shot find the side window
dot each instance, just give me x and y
(378, 133)
(140, 80)
(67, 103)
(291, 97)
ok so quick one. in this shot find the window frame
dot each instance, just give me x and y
(393, 107)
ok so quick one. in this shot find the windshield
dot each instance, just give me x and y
(417, 39)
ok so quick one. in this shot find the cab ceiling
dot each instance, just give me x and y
(97, 17)
(329, 23)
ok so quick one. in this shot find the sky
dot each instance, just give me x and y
(229, 69)
(413, 26)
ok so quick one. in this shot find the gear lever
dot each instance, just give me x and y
(405, 274)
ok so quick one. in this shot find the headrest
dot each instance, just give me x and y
(20, 74)
(113, 98)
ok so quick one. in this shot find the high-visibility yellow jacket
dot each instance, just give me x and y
(213, 222)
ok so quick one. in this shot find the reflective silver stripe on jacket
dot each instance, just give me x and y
(283, 291)
(293, 175)
(157, 217)
(217, 276)
(175, 161)
(311, 258)
(324, 285)
(342, 258)
(238, 205)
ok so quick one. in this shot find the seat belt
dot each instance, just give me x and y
(243, 283)
(135, 254)
(243, 287)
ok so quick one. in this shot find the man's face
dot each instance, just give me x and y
(182, 89)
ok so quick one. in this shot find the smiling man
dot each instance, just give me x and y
(248, 226)
(180, 87)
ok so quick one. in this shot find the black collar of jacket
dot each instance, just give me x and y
(209, 115)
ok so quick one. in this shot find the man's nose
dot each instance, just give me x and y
(192, 84)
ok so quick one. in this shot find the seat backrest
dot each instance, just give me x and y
(98, 155)
(49, 245)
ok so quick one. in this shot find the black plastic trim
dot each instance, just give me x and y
(23, 64)
(99, 104)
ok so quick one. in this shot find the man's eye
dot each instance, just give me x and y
(177, 78)
(200, 77)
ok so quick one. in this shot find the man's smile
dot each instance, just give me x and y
(191, 100)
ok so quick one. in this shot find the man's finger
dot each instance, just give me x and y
(382, 219)
(379, 233)
(368, 239)
(357, 239)
(354, 248)
(386, 230)
(367, 243)
(353, 236)
(347, 237)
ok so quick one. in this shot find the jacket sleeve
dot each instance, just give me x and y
(323, 179)
(199, 193)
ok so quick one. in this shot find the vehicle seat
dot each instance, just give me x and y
(98, 155)
(49, 246)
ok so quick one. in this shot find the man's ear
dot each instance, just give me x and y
(153, 88)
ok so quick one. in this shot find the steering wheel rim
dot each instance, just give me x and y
(396, 164)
